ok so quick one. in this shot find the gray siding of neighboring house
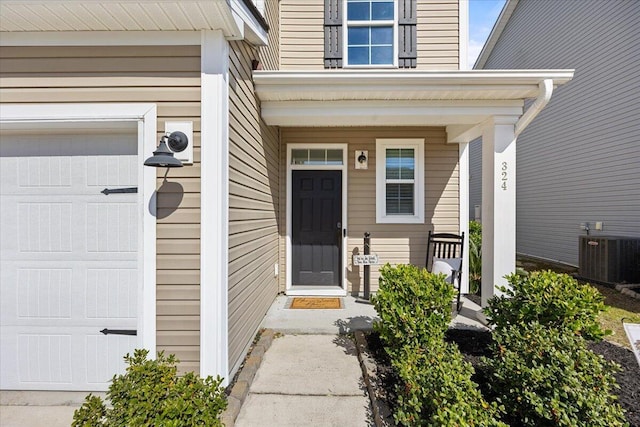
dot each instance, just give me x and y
(579, 161)
(475, 176)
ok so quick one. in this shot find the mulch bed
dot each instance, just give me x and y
(475, 344)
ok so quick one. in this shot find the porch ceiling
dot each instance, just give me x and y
(398, 97)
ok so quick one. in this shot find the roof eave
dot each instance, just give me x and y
(395, 84)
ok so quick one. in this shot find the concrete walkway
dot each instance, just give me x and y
(39, 408)
(308, 380)
(311, 376)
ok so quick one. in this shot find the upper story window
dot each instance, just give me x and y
(371, 28)
(370, 33)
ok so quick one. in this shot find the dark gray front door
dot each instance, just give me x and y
(316, 229)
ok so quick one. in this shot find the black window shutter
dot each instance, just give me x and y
(332, 33)
(407, 37)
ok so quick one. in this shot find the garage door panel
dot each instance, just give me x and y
(33, 163)
(86, 292)
(113, 227)
(69, 264)
(80, 360)
(62, 225)
(44, 293)
(105, 356)
(111, 294)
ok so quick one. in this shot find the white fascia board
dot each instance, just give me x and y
(403, 85)
(410, 77)
(101, 38)
(252, 29)
(383, 113)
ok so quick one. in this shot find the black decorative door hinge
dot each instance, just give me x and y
(108, 191)
(106, 331)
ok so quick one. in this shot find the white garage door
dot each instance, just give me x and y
(68, 261)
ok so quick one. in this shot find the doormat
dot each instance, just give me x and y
(316, 303)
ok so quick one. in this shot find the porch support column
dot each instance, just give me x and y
(214, 201)
(498, 203)
(463, 188)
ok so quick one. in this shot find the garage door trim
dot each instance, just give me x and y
(26, 116)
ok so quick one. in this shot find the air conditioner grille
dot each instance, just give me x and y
(609, 259)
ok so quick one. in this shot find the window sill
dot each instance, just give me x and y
(399, 220)
(371, 67)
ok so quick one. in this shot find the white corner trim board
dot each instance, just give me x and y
(214, 227)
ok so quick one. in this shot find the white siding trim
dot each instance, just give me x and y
(463, 201)
(146, 116)
(214, 226)
(418, 191)
(344, 168)
(463, 34)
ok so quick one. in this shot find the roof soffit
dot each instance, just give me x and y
(233, 17)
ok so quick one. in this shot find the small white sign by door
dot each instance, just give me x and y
(371, 259)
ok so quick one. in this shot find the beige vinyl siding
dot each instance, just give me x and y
(253, 206)
(270, 54)
(302, 34)
(168, 76)
(394, 243)
(578, 161)
(438, 35)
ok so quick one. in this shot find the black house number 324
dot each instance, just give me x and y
(504, 176)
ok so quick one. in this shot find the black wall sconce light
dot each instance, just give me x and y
(163, 156)
(362, 159)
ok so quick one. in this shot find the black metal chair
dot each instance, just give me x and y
(446, 251)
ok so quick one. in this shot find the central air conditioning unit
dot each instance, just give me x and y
(609, 259)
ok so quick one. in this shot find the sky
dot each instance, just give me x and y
(482, 16)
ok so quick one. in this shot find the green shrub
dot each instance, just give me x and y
(547, 377)
(554, 300)
(436, 389)
(414, 306)
(475, 257)
(150, 393)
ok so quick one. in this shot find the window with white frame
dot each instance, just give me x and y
(400, 181)
(371, 33)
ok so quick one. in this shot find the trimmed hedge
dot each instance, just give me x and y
(547, 377)
(436, 389)
(554, 300)
(414, 307)
(150, 393)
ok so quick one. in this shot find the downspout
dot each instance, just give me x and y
(544, 95)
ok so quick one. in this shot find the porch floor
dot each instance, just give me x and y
(352, 317)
